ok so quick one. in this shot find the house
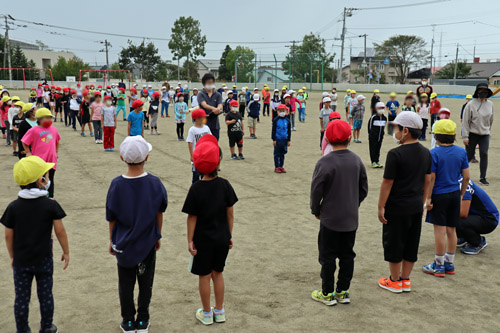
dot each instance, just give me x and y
(42, 58)
(271, 75)
(482, 72)
(208, 66)
(351, 72)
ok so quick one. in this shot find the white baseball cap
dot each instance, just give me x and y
(360, 97)
(286, 95)
(408, 119)
(291, 91)
(134, 149)
(256, 97)
(255, 89)
(185, 86)
(324, 94)
(150, 86)
(163, 88)
(178, 83)
(195, 89)
(276, 90)
(243, 89)
(327, 99)
(379, 105)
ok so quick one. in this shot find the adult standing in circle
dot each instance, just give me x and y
(476, 127)
(424, 88)
(166, 84)
(210, 101)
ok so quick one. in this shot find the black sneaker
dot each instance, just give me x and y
(127, 326)
(141, 326)
(484, 181)
(242, 157)
(234, 157)
(53, 329)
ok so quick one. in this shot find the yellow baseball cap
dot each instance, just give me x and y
(30, 169)
(409, 92)
(445, 126)
(434, 95)
(265, 85)
(19, 103)
(301, 91)
(348, 91)
(5, 99)
(376, 91)
(43, 112)
(304, 88)
(27, 107)
(392, 94)
(15, 98)
(424, 95)
(267, 88)
(353, 91)
(468, 96)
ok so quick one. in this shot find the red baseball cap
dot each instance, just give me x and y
(133, 90)
(92, 85)
(122, 90)
(97, 93)
(78, 84)
(108, 87)
(39, 84)
(137, 103)
(32, 88)
(234, 103)
(58, 88)
(338, 131)
(65, 89)
(334, 115)
(85, 93)
(99, 86)
(110, 97)
(180, 94)
(52, 87)
(206, 156)
(73, 92)
(155, 94)
(198, 113)
(282, 106)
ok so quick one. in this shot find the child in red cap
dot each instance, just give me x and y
(120, 103)
(281, 134)
(338, 187)
(235, 130)
(195, 133)
(84, 113)
(209, 227)
(326, 148)
(154, 107)
(108, 123)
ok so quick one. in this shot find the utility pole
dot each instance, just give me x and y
(364, 64)
(432, 49)
(456, 65)
(178, 70)
(7, 49)
(107, 57)
(342, 37)
(440, 49)
(293, 60)
(474, 52)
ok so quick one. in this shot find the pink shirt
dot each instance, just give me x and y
(43, 143)
(4, 114)
(39, 92)
(326, 148)
(97, 110)
(294, 100)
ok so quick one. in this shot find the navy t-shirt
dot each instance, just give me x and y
(448, 163)
(214, 101)
(133, 204)
(393, 107)
(481, 203)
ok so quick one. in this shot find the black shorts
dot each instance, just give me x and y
(235, 138)
(39, 100)
(446, 209)
(401, 237)
(209, 258)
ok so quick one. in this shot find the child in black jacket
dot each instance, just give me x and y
(376, 127)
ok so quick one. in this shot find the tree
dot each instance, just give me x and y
(403, 51)
(186, 40)
(117, 75)
(144, 56)
(312, 51)
(246, 64)
(448, 71)
(71, 67)
(189, 70)
(224, 72)
(42, 45)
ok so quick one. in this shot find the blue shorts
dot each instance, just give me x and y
(356, 124)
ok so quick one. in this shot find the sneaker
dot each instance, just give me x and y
(167, 116)
(141, 326)
(471, 249)
(96, 142)
(219, 316)
(474, 160)
(277, 170)
(162, 116)
(342, 297)
(388, 284)
(318, 296)
(461, 242)
(14, 153)
(111, 149)
(205, 319)
(234, 157)
(91, 134)
(52, 329)
(294, 129)
(283, 170)
(484, 181)
(374, 165)
(379, 165)
(449, 268)
(359, 141)
(4, 136)
(241, 157)
(106, 149)
(406, 285)
(82, 134)
(434, 269)
(127, 326)
(158, 132)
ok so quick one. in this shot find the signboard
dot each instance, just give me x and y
(70, 79)
(386, 61)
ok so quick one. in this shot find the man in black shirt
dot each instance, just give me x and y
(211, 101)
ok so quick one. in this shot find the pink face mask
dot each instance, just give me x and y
(444, 116)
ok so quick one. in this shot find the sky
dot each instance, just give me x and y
(266, 27)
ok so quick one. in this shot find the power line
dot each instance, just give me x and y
(407, 5)
(413, 26)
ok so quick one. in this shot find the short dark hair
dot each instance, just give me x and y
(29, 186)
(445, 138)
(414, 133)
(206, 77)
(343, 143)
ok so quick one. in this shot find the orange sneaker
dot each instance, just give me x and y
(406, 285)
(388, 284)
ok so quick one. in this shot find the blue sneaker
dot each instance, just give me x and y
(471, 249)
(111, 149)
(449, 268)
(434, 269)
(461, 242)
(91, 134)
(107, 149)
(82, 134)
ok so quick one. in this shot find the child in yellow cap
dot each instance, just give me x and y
(449, 163)
(28, 222)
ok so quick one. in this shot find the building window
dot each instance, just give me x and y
(269, 79)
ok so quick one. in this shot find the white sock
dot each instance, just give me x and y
(439, 259)
(449, 257)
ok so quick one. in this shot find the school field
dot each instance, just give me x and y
(273, 266)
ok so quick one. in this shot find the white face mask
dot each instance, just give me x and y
(282, 114)
(209, 86)
(108, 103)
(46, 186)
(380, 111)
(424, 83)
(234, 110)
(398, 141)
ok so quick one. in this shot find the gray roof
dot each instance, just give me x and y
(484, 69)
(370, 52)
(210, 64)
(23, 45)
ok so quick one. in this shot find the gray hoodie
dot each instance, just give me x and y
(478, 118)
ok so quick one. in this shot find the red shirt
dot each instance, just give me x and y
(435, 106)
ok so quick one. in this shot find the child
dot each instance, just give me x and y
(423, 112)
(58, 107)
(4, 118)
(324, 114)
(131, 98)
(120, 103)
(376, 127)
(135, 205)
(435, 107)
(346, 103)
(185, 93)
(29, 121)
(444, 113)
(374, 101)
(334, 97)
(95, 115)
(194, 98)
(352, 101)
(338, 187)
(235, 130)
(165, 101)
(32, 95)
(401, 200)
(108, 123)
(358, 113)
(448, 163)
(410, 95)
(153, 112)
(64, 100)
(146, 100)
(180, 109)
(195, 133)
(266, 100)
(293, 108)
(242, 101)
(302, 109)
(84, 114)
(136, 119)
(281, 135)
(468, 98)
(326, 148)
(74, 107)
(39, 96)
(253, 110)
(408, 106)
(393, 110)
(275, 101)
(17, 119)
(209, 227)
(28, 225)
(227, 103)
(15, 110)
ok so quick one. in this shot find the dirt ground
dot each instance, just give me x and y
(273, 266)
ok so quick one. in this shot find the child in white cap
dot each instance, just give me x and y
(135, 205)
